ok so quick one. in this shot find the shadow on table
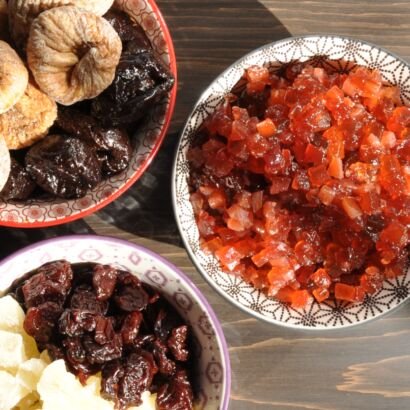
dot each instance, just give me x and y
(208, 37)
(12, 240)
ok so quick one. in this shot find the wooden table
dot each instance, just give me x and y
(367, 367)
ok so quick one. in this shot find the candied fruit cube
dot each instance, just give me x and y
(335, 168)
(321, 294)
(318, 175)
(399, 121)
(391, 176)
(314, 154)
(229, 256)
(349, 293)
(326, 195)
(279, 184)
(351, 207)
(266, 128)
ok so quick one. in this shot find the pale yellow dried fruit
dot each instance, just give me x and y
(23, 12)
(13, 77)
(72, 53)
(29, 120)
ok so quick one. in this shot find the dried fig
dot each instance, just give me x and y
(5, 163)
(29, 120)
(23, 12)
(72, 53)
(13, 77)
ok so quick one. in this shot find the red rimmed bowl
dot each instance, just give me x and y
(213, 373)
(148, 138)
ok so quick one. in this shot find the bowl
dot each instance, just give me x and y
(340, 54)
(42, 213)
(213, 358)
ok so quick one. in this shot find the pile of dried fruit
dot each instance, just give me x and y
(81, 54)
(100, 319)
(301, 183)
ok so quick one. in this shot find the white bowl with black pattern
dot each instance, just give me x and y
(331, 52)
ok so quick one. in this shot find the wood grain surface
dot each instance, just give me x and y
(367, 367)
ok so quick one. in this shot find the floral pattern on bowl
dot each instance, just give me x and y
(213, 357)
(335, 53)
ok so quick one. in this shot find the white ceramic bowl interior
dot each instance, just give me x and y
(213, 357)
(333, 53)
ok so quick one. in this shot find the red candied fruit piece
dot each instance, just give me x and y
(372, 280)
(266, 128)
(399, 121)
(279, 184)
(206, 224)
(391, 176)
(258, 78)
(349, 293)
(298, 299)
(363, 82)
(318, 175)
(392, 239)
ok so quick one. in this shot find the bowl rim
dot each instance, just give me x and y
(188, 248)
(220, 336)
(137, 175)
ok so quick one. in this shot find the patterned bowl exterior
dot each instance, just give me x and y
(148, 138)
(331, 52)
(213, 357)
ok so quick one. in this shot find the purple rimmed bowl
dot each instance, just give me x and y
(177, 288)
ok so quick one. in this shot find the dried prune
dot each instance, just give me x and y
(63, 166)
(132, 35)
(51, 283)
(177, 394)
(99, 354)
(139, 371)
(104, 280)
(112, 145)
(177, 343)
(85, 298)
(40, 321)
(19, 186)
(140, 82)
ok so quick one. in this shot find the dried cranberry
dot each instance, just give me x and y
(40, 321)
(75, 322)
(111, 373)
(104, 280)
(99, 354)
(165, 365)
(84, 298)
(129, 298)
(130, 327)
(177, 394)
(104, 330)
(177, 343)
(139, 371)
(51, 283)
